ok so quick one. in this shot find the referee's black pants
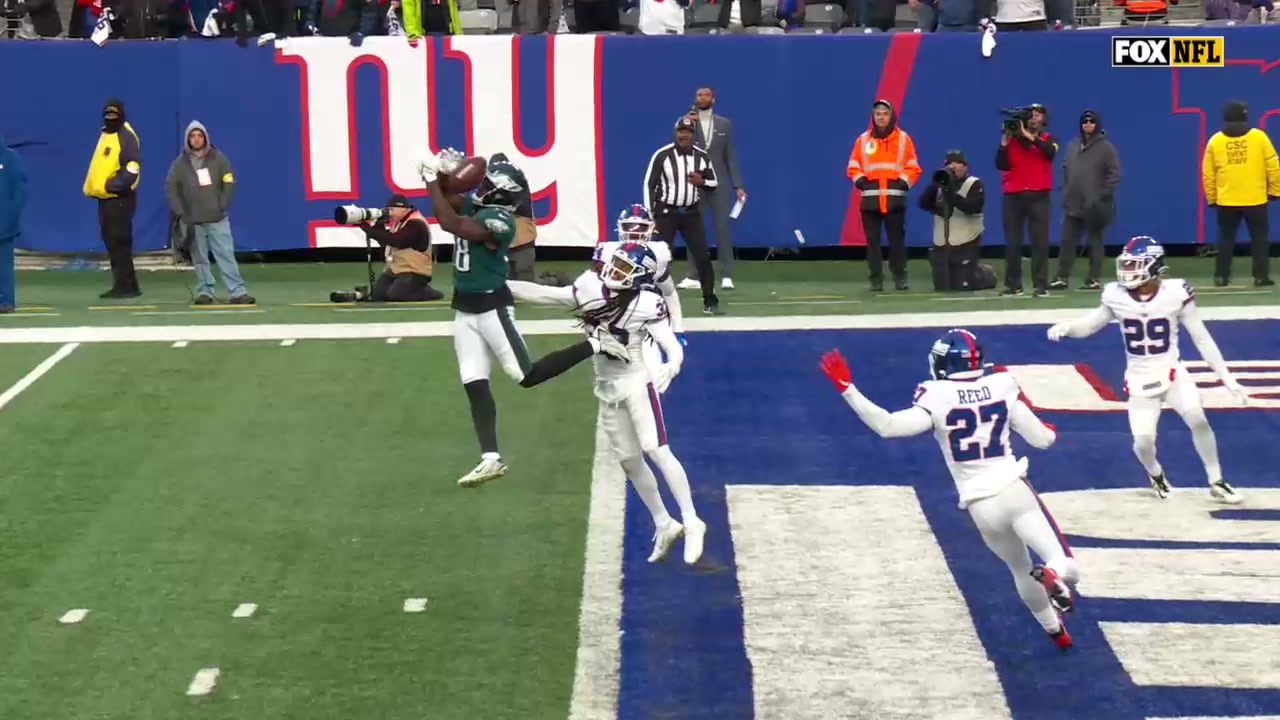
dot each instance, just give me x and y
(115, 220)
(688, 222)
(1255, 218)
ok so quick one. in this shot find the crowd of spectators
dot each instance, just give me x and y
(243, 19)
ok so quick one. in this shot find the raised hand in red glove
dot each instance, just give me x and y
(837, 370)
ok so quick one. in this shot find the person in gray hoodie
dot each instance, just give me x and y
(1090, 176)
(199, 188)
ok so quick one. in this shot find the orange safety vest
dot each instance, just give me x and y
(882, 161)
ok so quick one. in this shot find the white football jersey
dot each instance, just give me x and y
(661, 253)
(648, 307)
(972, 420)
(1150, 332)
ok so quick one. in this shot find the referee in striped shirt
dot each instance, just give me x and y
(678, 175)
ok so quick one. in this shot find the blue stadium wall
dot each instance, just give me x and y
(318, 123)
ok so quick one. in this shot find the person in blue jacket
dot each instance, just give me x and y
(13, 196)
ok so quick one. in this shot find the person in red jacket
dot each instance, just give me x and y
(1025, 162)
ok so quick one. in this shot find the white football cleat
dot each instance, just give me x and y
(488, 469)
(695, 531)
(663, 538)
(1224, 493)
(726, 284)
(689, 284)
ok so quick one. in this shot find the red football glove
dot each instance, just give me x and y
(834, 366)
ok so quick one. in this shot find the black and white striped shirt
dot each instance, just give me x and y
(667, 181)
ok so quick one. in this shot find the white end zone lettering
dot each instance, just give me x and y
(1238, 654)
(1078, 388)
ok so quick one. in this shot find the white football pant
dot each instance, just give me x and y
(476, 336)
(1012, 521)
(634, 423)
(1184, 397)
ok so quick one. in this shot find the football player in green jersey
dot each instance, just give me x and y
(483, 226)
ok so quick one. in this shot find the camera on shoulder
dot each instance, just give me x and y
(1015, 119)
(355, 215)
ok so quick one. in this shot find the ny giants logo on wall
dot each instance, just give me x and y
(566, 171)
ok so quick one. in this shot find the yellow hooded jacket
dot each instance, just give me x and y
(1240, 170)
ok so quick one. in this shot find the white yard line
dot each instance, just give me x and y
(204, 682)
(30, 378)
(381, 331)
(595, 678)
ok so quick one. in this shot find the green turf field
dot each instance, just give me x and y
(300, 294)
(160, 487)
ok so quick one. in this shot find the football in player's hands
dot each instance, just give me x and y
(837, 370)
(468, 175)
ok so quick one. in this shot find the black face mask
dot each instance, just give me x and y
(112, 124)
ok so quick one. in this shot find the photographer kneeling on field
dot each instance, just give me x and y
(407, 239)
(956, 198)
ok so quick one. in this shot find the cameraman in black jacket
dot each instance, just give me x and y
(956, 199)
(404, 233)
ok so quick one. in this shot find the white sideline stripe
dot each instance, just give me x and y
(30, 378)
(595, 677)
(180, 344)
(1225, 656)
(71, 617)
(244, 610)
(831, 627)
(365, 331)
(204, 682)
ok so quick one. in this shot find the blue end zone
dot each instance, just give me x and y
(753, 408)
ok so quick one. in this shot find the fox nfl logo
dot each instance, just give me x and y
(1167, 52)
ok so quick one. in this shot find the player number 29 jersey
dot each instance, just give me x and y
(630, 329)
(971, 422)
(1149, 329)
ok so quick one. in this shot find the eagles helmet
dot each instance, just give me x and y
(957, 356)
(635, 225)
(632, 265)
(503, 186)
(1140, 261)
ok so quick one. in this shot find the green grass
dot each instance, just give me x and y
(18, 360)
(764, 288)
(316, 481)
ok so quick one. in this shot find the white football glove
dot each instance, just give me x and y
(1236, 389)
(1057, 332)
(448, 160)
(426, 163)
(663, 376)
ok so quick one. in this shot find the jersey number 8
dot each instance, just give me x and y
(1147, 337)
(462, 255)
(963, 422)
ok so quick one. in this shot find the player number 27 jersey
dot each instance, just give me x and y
(972, 420)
